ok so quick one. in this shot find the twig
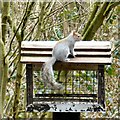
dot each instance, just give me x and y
(56, 10)
(14, 68)
(10, 22)
(26, 19)
(60, 23)
(13, 53)
(8, 104)
(31, 30)
(13, 60)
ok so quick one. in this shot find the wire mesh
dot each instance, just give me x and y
(79, 86)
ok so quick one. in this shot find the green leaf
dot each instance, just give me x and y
(110, 70)
(89, 87)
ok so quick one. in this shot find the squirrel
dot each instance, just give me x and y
(60, 52)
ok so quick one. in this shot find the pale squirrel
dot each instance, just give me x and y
(60, 52)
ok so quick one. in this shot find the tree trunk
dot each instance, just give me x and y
(92, 16)
(17, 90)
(4, 80)
(40, 25)
(1, 65)
(5, 12)
(19, 67)
(96, 22)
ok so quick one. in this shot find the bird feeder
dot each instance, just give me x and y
(82, 77)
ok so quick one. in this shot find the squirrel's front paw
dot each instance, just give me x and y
(72, 55)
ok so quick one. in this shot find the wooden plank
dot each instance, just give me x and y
(80, 60)
(66, 66)
(66, 95)
(52, 43)
(78, 45)
(23, 52)
(61, 99)
(95, 60)
(38, 44)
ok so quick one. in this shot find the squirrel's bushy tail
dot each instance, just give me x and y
(47, 75)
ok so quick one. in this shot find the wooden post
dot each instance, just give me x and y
(101, 85)
(29, 83)
(66, 116)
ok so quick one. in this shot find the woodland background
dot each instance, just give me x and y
(52, 20)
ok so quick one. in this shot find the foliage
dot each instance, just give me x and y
(53, 21)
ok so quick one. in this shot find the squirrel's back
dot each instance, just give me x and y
(61, 51)
(63, 47)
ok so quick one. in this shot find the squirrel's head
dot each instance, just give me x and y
(76, 35)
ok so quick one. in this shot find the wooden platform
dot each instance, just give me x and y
(89, 53)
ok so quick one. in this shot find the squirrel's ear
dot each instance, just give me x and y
(76, 34)
(73, 32)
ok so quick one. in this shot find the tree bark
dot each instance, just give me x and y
(96, 22)
(4, 80)
(41, 21)
(1, 65)
(92, 16)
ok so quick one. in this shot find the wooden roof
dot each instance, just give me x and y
(88, 52)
